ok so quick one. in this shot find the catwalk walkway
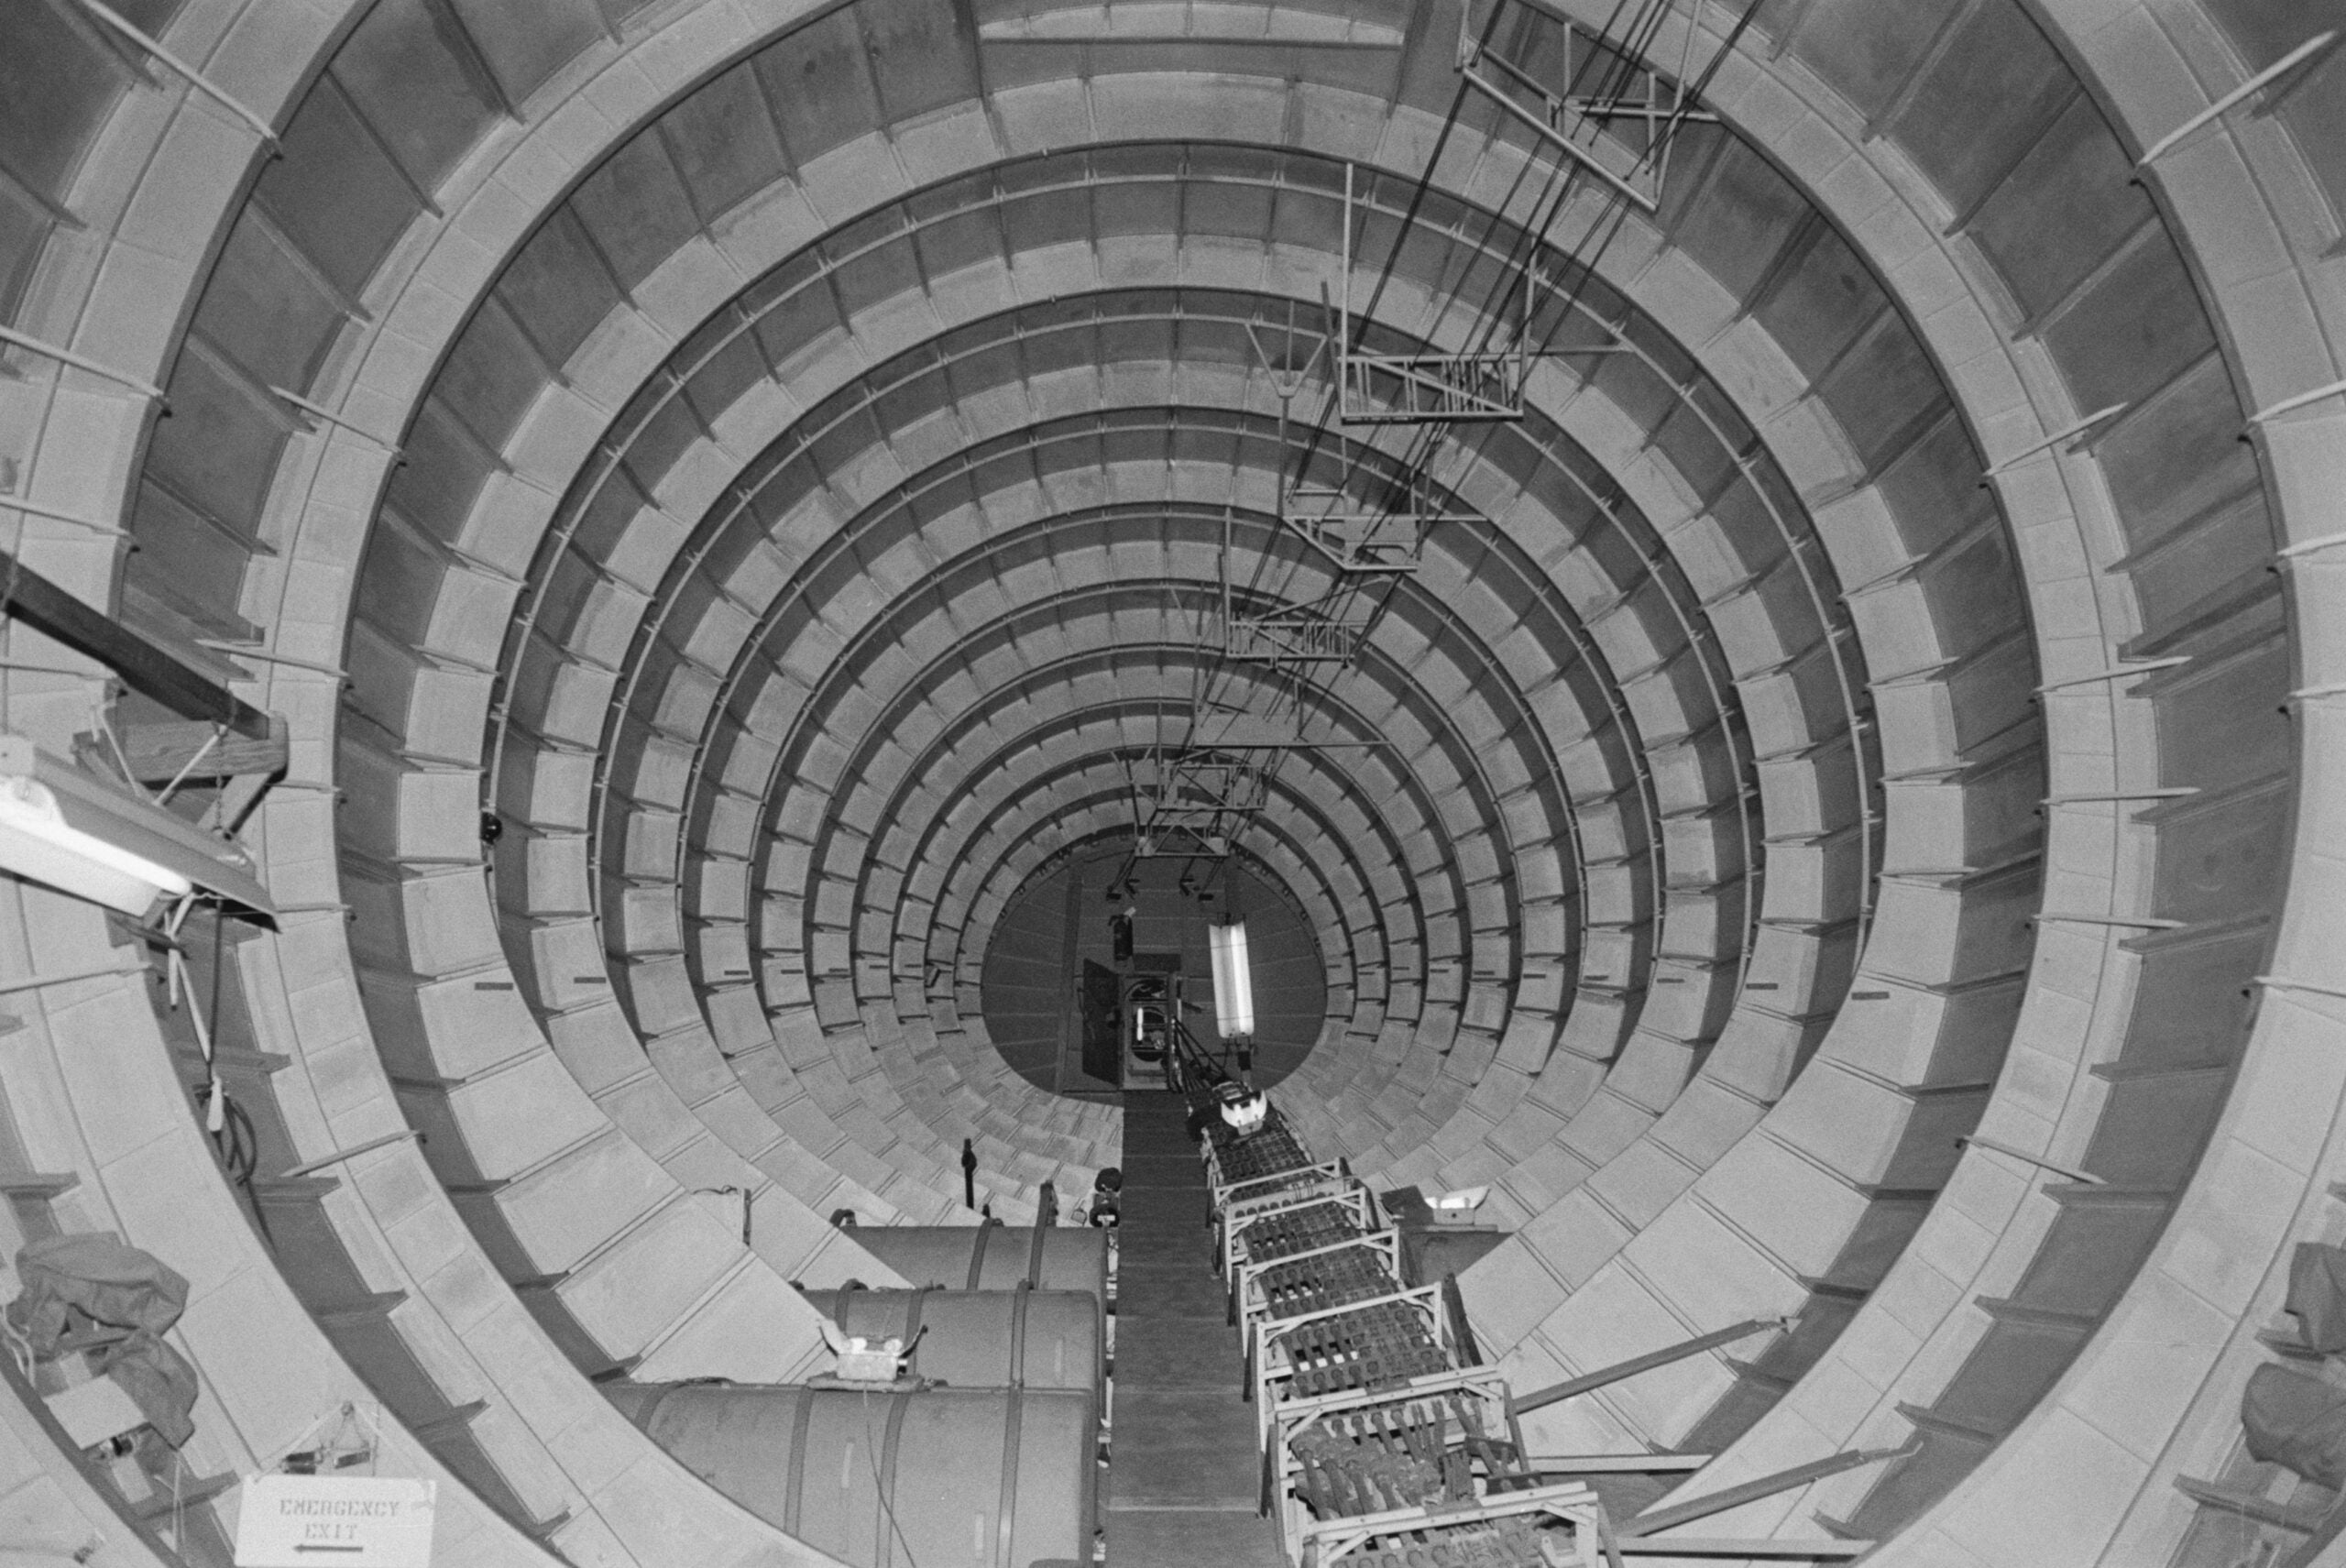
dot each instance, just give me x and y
(1186, 1475)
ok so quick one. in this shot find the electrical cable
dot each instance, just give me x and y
(238, 1140)
(237, 1143)
(1338, 603)
(1584, 261)
(8, 596)
(1533, 235)
(1557, 182)
(871, 1463)
(1450, 121)
(1560, 182)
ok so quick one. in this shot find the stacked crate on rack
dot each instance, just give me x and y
(1378, 1343)
(1561, 1526)
(1340, 1275)
(1431, 1471)
(1253, 1173)
(1394, 1469)
(1238, 1202)
(1381, 1449)
(1273, 1149)
(1296, 1224)
(1325, 1261)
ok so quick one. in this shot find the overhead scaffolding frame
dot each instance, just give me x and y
(1372, 543)
(1656, 103)
(1318, 632)
(1474, 386)
(1192, 801)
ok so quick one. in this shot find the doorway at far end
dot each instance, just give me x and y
(1033, 988)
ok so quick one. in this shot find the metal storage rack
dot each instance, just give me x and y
(1292, 1225)
(1440, 1442)
(1379, 1448)
(1352, 1270)
(1494, 1532)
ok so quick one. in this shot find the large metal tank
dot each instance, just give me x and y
(986, 1478)
(993, 1257)
(981, 1339)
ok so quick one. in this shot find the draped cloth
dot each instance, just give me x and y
(78, 1288)
(2296, 1420)
(2317, 1294)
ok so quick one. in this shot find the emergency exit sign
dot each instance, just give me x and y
(327, 1522)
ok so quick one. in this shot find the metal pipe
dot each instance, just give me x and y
(2129, 922)
(402, 1135)
(1732, 1546)
(2120, 674)
(314, 411)
(1654, 1519)
(37, 509)
(1615, 1463)
(1540, 1399)
(37, 982)
(2301, 399)
(67, 357)
(264, 656)
(2058, 436)
(2084, 1178)
(2256, 84)
(195, 77)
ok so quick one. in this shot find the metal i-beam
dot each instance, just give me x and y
(142, 665)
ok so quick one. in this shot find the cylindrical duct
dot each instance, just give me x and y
(989, 1478)
(994, 1257)
(981, 1339)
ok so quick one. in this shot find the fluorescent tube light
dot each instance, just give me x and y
(69, 830)
(1234, 980)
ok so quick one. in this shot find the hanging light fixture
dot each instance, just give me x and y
(62, 827)
(1234, 980)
